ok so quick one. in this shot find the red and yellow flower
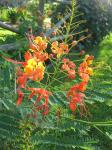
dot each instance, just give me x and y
(59, 48)
(76, 96)
(40, 43)
(42, 94)
(84, 69)
(33, 68)
(69, 67)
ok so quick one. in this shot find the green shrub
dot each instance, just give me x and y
(13, 16)
(98, 17)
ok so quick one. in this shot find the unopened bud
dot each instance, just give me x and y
(54, 33)
(74, 43)
(82, 52)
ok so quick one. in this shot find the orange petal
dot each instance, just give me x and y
(20, 97)
(72, 106)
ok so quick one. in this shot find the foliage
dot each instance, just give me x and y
(98, 17)
(63, 130)
(13, 16)
(3, 13)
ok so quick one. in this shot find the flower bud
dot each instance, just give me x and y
(82, 52)
(54, 33)
(74, 43)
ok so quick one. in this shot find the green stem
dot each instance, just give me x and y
(71, 19)
(107, 123)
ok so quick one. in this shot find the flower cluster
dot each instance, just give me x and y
(33, 68)
(59, 48)
(42, 93)
(84, 69)
(69, 67)
(76, 93)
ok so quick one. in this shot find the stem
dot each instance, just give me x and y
(71, 19)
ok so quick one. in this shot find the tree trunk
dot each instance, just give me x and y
(40, 15)
(14, 46)
(8, 27)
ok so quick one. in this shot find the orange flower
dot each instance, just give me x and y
(71, 74)
(84, 70)
(82, 86)
(32, 47)
(77, 88)
(69, 66)
(42, 94)
(27, 56)
(73, 105)
(75, 95)
(21, 80)
(64, 47)
(85, 77)
(83, 67)
(34, 69)
(37, 75)
(89, 71)
(65, 67)
(59, 49)
(40, 43)
(65, 60)
(68, 63)
(41, 57)
(78, 98)
(37, 44)
(20, 97)
(54, 47)
(89, 59)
